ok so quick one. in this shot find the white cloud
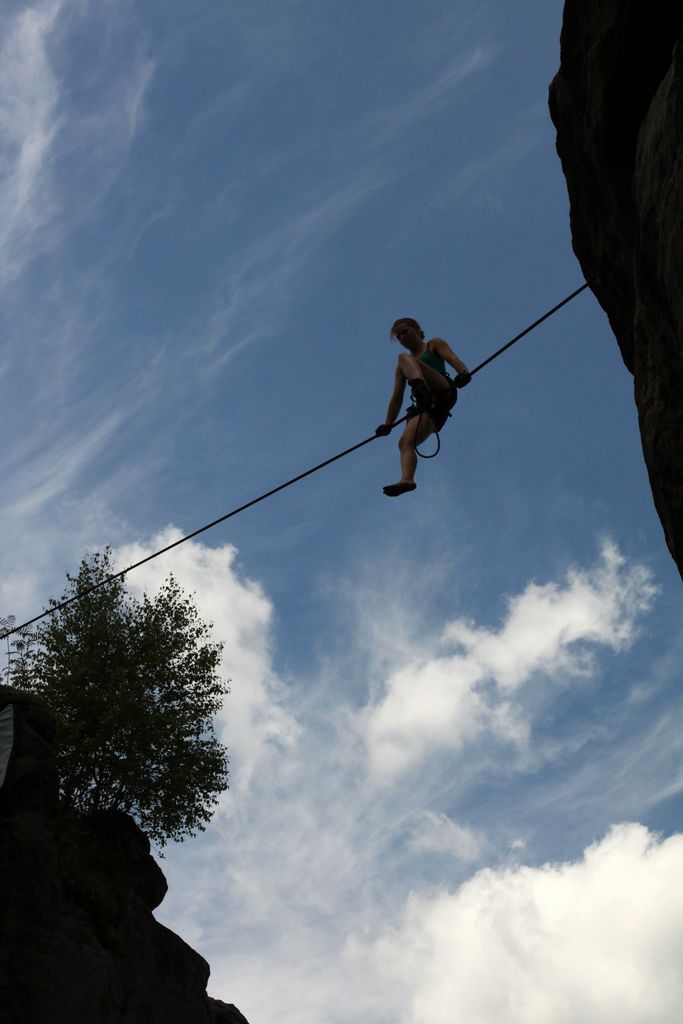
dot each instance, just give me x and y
(448, 700)
(311, 864)
(367, 153)
(253, 717)
(544, 623)
(423, 103)
(40, 201)
(29, 98)
(598, 941)
(135, 88)
(256, 286)
(54, 470)
(437, 833)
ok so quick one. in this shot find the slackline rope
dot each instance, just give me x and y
(268, 494)
(503, 348)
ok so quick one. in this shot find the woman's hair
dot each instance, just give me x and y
(406, 320)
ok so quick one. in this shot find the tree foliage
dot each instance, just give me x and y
(14, 646)
(134, 686)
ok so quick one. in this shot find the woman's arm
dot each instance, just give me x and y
(396, 400)
(448, 355)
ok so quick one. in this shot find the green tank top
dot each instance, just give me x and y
(434, 360)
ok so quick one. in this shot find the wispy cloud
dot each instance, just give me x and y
(324, 179)
(253, 292)
(447, 700)
(41, 130)
(396, 122)
(437, 833)
(54, 470)
(66, 132)
(29, 125)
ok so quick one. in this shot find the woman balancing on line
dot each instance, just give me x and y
(434, 394)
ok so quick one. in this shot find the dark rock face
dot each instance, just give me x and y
(78, 942)
(617, 104)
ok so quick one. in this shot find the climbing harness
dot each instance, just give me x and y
(288, 483)
(436, 407)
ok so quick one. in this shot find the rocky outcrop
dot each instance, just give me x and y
(78, 941)
(617, 104)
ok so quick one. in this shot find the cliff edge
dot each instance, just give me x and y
(617, 105)
(78, 941)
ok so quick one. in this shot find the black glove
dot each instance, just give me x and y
(383, 429)
(463, 379)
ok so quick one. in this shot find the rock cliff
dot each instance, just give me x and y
(78, 941)
(617, 104)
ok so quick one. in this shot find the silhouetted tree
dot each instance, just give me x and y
(15, 647)
(134, 686)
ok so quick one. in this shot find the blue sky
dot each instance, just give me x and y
(455, 717)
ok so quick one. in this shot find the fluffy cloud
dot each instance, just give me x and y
(599, 941)
(470, 687)
(312, 864)
(546, 623)
(254, 716)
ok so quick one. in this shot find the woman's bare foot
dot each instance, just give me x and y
(393, 490)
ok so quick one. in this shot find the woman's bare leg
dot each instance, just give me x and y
(419, 427)
(414, 369)
(417, 430)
